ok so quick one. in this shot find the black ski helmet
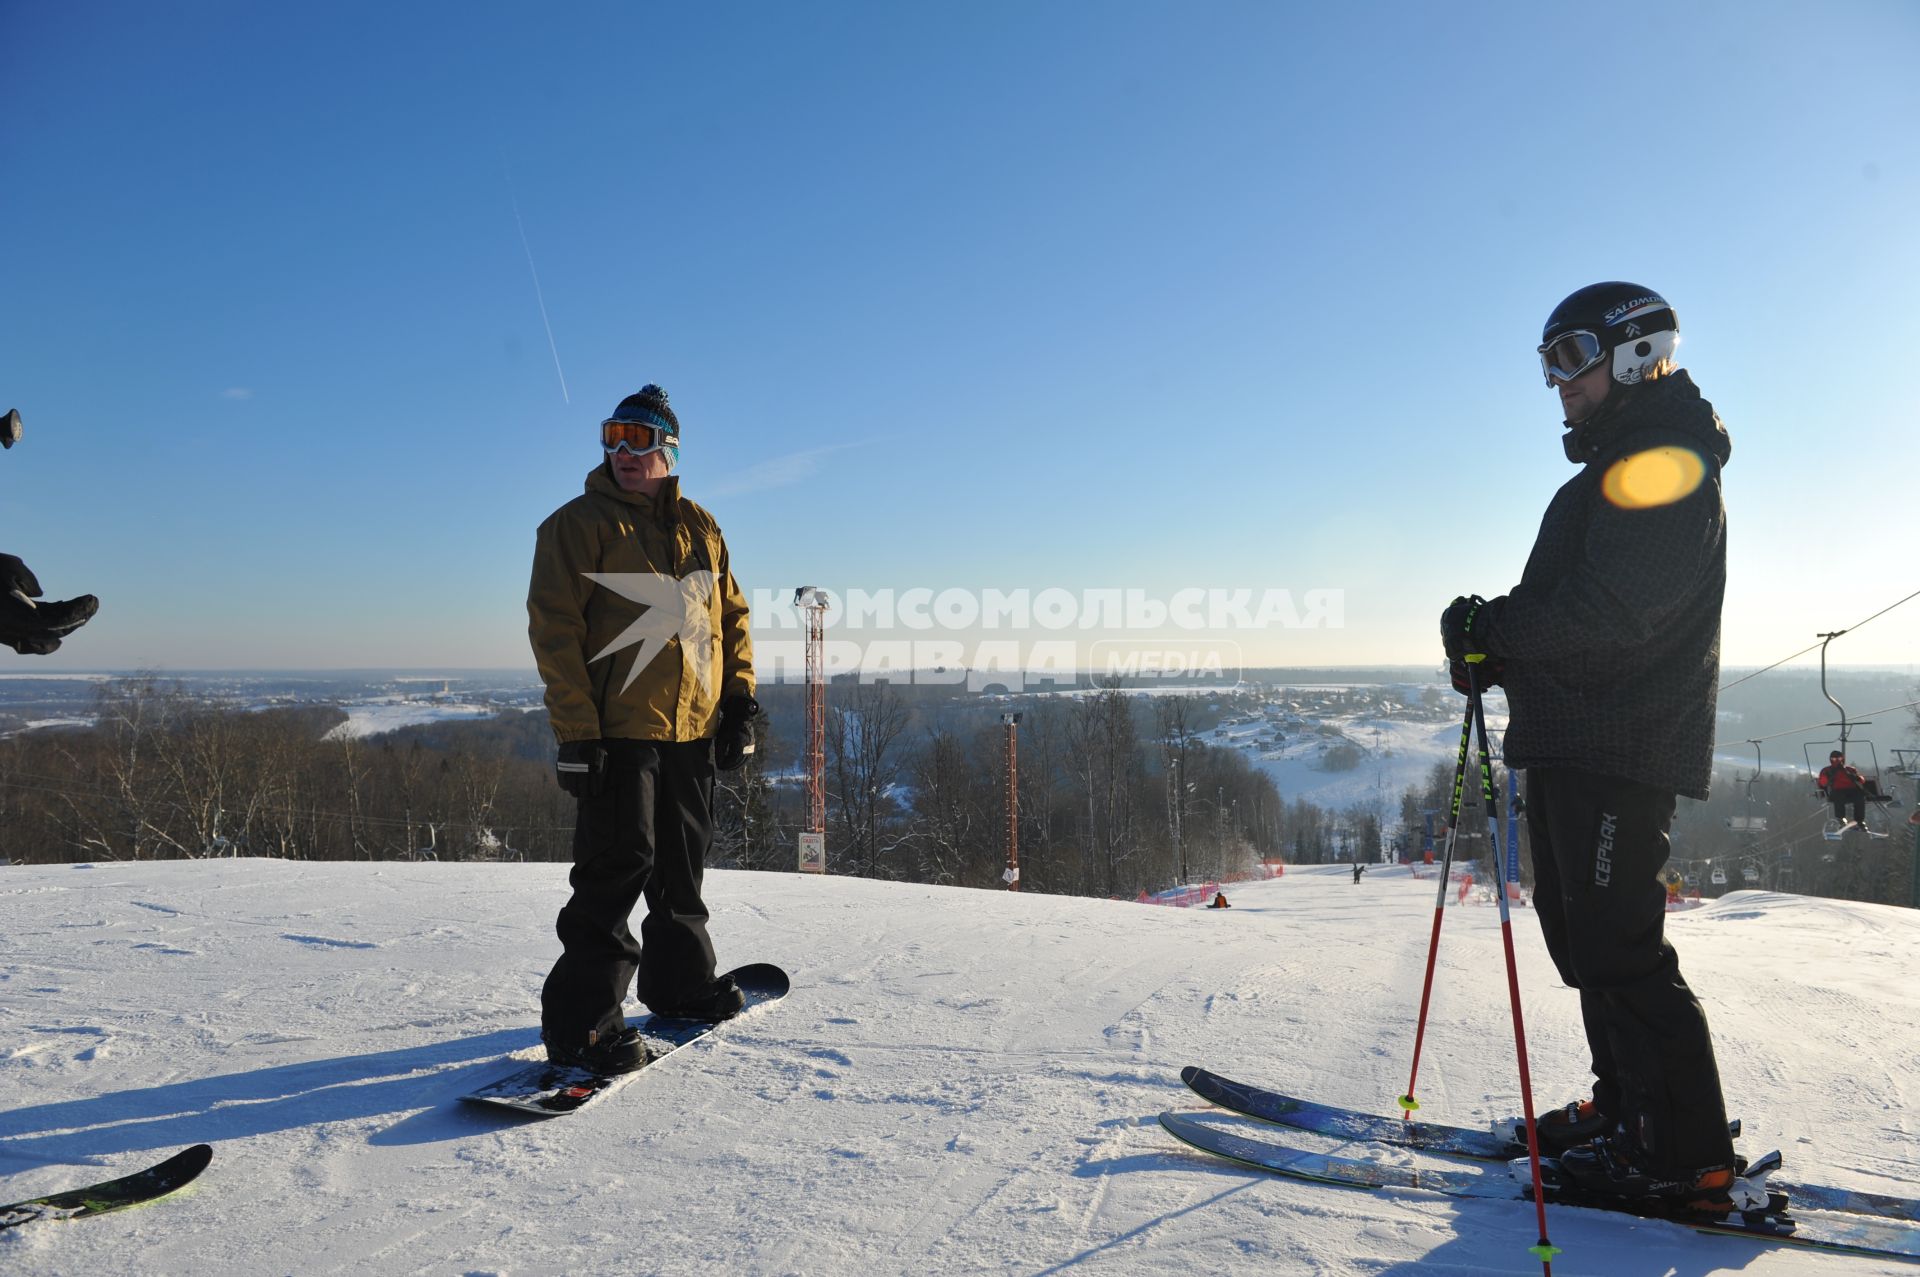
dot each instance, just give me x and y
(1631, 322)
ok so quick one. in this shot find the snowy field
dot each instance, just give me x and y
(960, 1082)
(375, 717)
(1396, 755)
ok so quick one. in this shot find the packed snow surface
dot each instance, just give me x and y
(960, 1081)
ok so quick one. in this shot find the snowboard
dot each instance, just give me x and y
(1228, 1138)
(1431, 1137)
(540, 1089)
(114, 1194)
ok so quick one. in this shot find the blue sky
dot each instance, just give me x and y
(1080, 295)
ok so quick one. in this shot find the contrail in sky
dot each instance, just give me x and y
(538, 295)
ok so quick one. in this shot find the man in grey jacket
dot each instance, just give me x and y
(1609, 649)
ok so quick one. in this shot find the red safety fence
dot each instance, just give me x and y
(1203, 894)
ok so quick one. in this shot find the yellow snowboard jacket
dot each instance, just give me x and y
(638, 627)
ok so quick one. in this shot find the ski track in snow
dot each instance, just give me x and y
(960, 1081)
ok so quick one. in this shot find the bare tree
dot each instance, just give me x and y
(477, 782)
(946, 808)
(1171, 716)
(1103, 735)
(864, 727)
(127, 817)
(354, 769)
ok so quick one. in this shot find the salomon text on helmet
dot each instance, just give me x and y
(1633, 324)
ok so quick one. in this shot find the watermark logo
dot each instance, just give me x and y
(1022, 639)
(1210, 662)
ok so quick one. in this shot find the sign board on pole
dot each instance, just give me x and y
(813, 853)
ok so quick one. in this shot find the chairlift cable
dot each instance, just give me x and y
(1803, 651)
(1794, 731)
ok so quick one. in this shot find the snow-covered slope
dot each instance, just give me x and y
(960, 1082)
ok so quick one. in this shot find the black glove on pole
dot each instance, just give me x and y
(1487, 673)
(1468, 664)
(734, 740)
(1457, 626)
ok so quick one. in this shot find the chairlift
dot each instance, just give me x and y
(1719, 876)
(1835, 827)
(1749, 823)
(1751, 873)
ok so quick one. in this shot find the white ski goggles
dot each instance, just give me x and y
(1570, 354)
(635, 437)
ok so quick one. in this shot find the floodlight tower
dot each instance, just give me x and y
(813, 601)
(1012, 875)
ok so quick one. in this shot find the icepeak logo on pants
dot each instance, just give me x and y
(1603, 855)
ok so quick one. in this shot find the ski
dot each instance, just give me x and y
(1431, 1137)
(97, 1199)
(540, 1089)
(1225, 1137)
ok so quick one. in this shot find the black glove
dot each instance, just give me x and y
(582, 769)
(15, 575)
(734, 741)
(1459, 626)
(1489, 673)
(35, 629)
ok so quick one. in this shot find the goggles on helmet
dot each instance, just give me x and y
(636, 437)
(1570, 354)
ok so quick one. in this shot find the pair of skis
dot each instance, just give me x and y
(1862, 1223)
(1846, 1220)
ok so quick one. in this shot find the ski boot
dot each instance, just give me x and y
(1560, 1130)
(1612, 1167)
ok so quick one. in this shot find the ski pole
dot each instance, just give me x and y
(1407, 1103)
(1544, 1249)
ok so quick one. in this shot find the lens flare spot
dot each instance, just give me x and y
(1656, 477)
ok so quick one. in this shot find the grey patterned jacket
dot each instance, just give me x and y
(1612, 637)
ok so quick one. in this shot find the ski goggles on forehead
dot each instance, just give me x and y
(637, 437)
(1570, 354)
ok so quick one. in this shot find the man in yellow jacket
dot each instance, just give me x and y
(640, 635)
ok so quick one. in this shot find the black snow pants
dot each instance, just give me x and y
(1599, 843)
(645, 834)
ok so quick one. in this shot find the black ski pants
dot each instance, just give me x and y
(1599, 843)
(645, 834)
(1848, 802)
